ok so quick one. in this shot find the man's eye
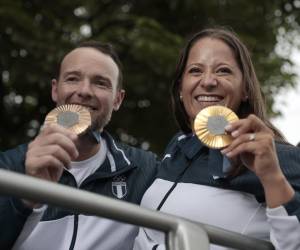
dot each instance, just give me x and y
(102, 83)
(71, 79)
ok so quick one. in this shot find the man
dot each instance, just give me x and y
(90, 76)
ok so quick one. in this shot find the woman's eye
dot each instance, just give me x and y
(194, 70)
(224, 70)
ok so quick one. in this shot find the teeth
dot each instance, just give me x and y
(87, 107)
(208, 98)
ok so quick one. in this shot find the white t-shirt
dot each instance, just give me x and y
(82, 169)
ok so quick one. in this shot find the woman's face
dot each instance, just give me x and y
(211, 77)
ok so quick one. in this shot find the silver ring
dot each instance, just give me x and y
(252, 137)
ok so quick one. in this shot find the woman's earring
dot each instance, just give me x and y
(180, 97)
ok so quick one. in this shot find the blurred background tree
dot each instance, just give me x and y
(148, 35)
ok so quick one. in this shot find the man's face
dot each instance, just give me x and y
(89, 78)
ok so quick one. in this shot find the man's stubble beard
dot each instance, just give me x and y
(100, 122)
(96, 126)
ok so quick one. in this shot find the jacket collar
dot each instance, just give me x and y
(116, 151)
(113, 150)
(189, 145)
(116, 161)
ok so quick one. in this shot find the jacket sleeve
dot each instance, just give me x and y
(285, 229)
(144, 241)
(13, 213)
(285, 220)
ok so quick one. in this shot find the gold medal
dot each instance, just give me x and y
(210, 124)
(74, 117)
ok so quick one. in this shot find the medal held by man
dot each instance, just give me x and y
(74, 117)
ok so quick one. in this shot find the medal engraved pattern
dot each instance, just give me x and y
(216, 124)
(67, 119)
(210, 123)
(74, 117)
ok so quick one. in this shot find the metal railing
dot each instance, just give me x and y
(181, 234)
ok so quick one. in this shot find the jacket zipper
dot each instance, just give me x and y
(75, 230)
(76, 218)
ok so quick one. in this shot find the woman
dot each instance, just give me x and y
(252, 186)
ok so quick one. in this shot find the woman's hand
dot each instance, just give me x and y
(254, 143)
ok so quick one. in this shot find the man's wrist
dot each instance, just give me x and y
(31, 204)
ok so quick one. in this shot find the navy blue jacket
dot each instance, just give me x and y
(193, 183)
(134, 166)
(189, 151)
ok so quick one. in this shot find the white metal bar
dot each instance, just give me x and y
(182, 234)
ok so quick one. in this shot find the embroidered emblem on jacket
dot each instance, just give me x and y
(119, 186)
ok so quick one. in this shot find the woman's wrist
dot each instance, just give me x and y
(278, 190)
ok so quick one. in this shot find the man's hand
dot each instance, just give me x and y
(49, 153)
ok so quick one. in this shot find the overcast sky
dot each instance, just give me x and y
(288, 102)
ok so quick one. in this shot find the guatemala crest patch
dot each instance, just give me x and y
(119, 186)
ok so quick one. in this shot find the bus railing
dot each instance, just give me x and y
(181, 234)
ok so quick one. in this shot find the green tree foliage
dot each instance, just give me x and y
(148, 35)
